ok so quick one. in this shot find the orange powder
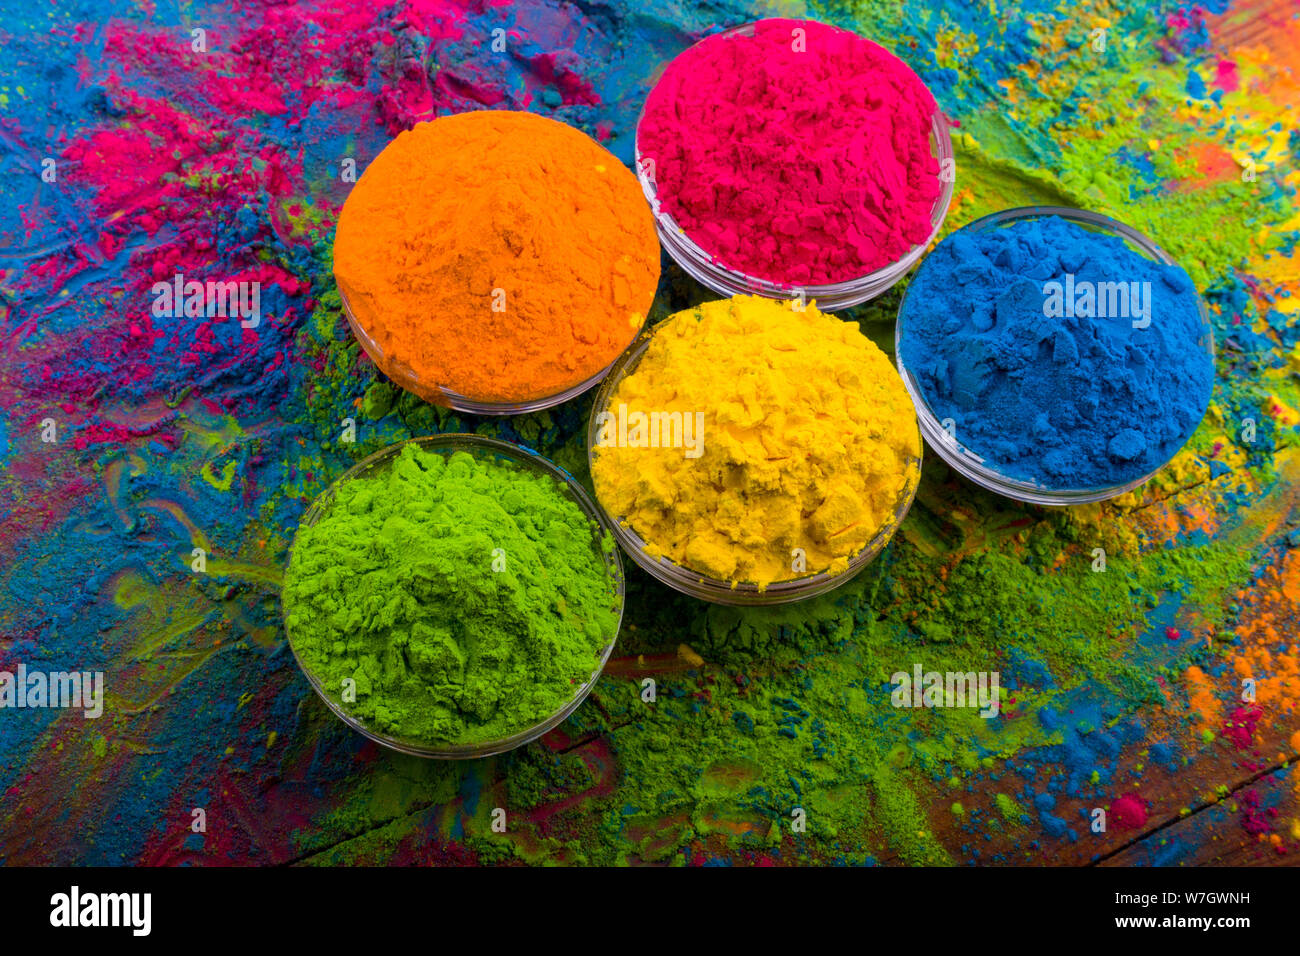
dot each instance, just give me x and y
(503, 256)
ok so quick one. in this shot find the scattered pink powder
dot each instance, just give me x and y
(796, 167)
(1225, 76)
(1128, 812)
(1240, 725)
(1254, 819)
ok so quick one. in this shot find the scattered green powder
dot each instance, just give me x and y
(1010, 810)
(464, 596)
(792, 708)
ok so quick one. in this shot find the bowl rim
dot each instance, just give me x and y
(715, 590)
(451, 442)
(830, 297)
(973, 466)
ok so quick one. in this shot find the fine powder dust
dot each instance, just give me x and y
(501, 255)
(799, 155)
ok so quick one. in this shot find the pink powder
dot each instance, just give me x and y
(1240, 726)
(1128, 812)
(1225, 76)
(1255, 820)
(796, 166)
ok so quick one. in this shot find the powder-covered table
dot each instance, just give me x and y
(136, 439)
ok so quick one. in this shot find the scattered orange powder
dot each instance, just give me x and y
(1277, 677)
(1204, 703)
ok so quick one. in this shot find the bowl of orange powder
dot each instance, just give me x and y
(496, 262)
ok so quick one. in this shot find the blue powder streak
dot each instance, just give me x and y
(1065, 402)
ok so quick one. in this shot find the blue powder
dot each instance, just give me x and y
(1060, 400)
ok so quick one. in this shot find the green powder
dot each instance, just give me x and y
(464, 596)
(1011, 811)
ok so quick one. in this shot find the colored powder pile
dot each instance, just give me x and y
(1129, 812)
(800, 144)
(500, 255)
(806, 439)
(1063, 357)
(464, 596)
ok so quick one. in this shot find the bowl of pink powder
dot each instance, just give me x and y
(793, 159)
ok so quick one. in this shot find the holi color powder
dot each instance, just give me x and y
(757, 442)
(450, 598)
(177, 433)
(796, 152)
(497, 255)
(1060, 355)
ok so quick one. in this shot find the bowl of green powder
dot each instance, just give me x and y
(453, 596)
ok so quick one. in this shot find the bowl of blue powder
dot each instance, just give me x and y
(1055, 356)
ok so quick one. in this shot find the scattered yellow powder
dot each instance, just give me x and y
(806, 440)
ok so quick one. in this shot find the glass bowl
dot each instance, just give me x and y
(709, 272)
(971, 464)
(406, 377)
(483, 448)
(702, 586)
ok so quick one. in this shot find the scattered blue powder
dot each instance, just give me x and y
(998, 336)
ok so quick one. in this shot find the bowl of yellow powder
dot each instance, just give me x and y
(495, 262)
(453, 596)
(748, 451)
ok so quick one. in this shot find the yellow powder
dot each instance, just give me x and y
(806, 440)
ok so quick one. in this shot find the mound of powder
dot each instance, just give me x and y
(803, 437)
(1063, 357)
(798, 155)
(463, 595)
(501, 255)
